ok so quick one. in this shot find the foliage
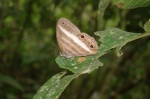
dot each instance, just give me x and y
(27, 34)
(110, 38)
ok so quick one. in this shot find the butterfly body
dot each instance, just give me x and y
(72, 42)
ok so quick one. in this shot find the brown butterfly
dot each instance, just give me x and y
(72, 42)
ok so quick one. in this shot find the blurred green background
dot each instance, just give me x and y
(27, 52)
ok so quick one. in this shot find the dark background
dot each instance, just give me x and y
(27, 50)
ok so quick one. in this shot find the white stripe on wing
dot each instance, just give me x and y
(75, 39)
(68, 45)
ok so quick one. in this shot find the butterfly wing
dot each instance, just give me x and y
(63, 29)
(71, 41)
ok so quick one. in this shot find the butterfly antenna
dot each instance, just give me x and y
(56, 46)
(59, 50)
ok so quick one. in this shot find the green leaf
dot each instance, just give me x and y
(75, 66)
(10, 81)
(147, 26)
(114, 38)
(53, 88)
(109, 38)
(130, 4)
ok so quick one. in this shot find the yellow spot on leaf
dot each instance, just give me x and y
(81, 59)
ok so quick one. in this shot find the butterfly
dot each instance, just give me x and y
(72, 42)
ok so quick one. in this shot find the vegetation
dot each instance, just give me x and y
(28, 55)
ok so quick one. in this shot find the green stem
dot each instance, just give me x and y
(140, 36)
(100, 13)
